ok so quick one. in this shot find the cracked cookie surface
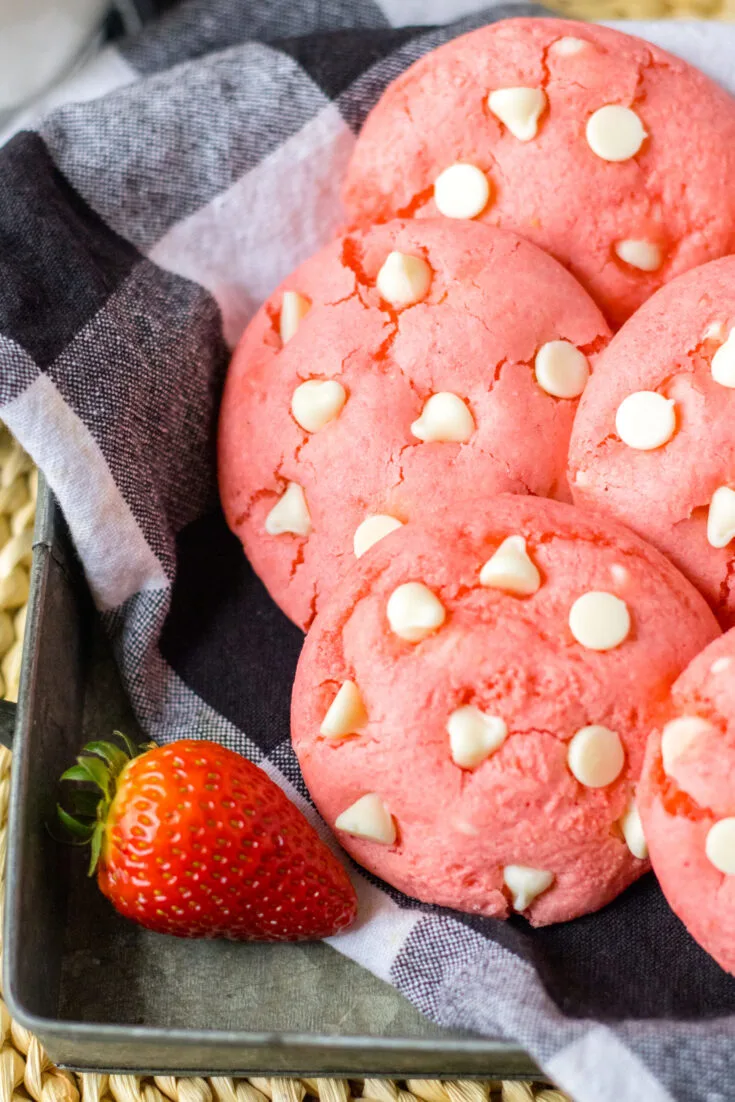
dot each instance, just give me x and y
(668, 471)
(687, 798)
(611, 154)
(469, 740)
(342, 407)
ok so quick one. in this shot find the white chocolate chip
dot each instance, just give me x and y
(561, 369)
(519, 109)
(715, 331)
(372, 530)
(720, 665)
(721, 517)
(632, 829)
(720, 846)
(620, 574)
(723, 362)
(289, 514)
(346, 714)
(294, 307)
(599, 621)
(317, 402)
(615, 133)
(461, 191)
(595, 756)
(414, 612)
(678, 735)
(404, 279)
(644, 255)
(511, 568)
(474, 735)
(568, 46)
(645, 420)
(368, 818)
(444, 417)
(525, 884)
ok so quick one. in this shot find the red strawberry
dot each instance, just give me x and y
(193, 840)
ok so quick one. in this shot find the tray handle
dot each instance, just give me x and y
(7, 723)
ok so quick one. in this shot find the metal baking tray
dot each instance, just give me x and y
(101, 993)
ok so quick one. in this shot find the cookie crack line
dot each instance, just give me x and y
(350, 260)
(297, 560)
(547, 77)
(312, 608)
(504, 360)
(244, 517)
(417, 201)
(300, 447)
(399, 460)
(639, 92)
(727, 585)
(347, 298)
(382, 352)
(281, 481)
(591, 347)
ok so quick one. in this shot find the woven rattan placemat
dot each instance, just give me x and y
(25, 1071)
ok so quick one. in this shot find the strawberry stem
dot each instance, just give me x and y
(109, 753)
(98, 768)
(82, 832)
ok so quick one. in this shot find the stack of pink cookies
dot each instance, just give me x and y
(504, 699)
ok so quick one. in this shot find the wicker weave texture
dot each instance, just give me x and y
(644, 9)
(18, 489)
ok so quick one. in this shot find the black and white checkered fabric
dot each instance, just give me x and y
(138, 233)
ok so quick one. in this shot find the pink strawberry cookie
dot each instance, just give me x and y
(604, 150)
(471, 705)
(687, 800)
(399, 368)
(653, 443)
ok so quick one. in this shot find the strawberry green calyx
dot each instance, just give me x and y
(99, 769)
